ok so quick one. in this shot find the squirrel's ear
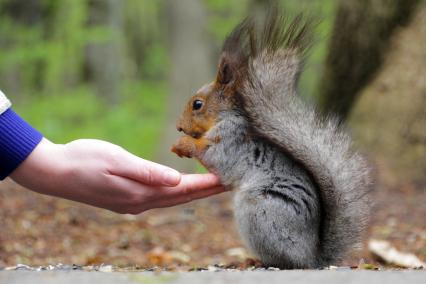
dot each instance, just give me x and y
(225, 74)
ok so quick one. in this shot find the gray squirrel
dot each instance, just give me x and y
(301, 192)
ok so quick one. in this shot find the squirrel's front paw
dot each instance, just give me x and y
(189, 147)
(183, 148)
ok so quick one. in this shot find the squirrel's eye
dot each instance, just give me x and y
(197, 104)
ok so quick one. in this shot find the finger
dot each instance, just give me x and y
(144, 171)
(191, 186)
(193, 183)
(187, 198)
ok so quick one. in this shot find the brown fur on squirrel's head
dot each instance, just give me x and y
(203, 109)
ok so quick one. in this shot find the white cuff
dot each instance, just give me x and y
(4, 103)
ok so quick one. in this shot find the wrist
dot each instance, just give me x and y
(42, 169)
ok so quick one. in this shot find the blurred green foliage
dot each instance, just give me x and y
(46, 69)
(135, 123)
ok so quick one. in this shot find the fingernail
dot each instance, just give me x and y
(171, 177)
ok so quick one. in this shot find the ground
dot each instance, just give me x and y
(295, 276)
(41, 230)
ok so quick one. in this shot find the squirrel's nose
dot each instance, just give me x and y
(179, 126)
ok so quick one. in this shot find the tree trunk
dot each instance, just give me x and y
(390, 117)
(104, 59)
(190, 69)
(360, 38)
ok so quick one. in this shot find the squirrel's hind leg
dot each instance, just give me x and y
(277, 229)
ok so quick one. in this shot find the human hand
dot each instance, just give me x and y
(105, 175)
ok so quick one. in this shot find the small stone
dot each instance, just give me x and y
(105, 268)
(343, 268)
(20, 266)
(77, 267)
(212, 268)
(197, 269)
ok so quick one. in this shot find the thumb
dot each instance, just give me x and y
(144, 171)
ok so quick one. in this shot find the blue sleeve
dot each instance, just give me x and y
(17, 140)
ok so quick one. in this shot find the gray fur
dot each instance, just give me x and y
(325, 151)
(276, 202)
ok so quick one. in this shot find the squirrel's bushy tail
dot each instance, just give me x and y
(267, 92)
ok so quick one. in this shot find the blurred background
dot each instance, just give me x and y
(122, 71)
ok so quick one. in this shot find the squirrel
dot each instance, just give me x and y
(301, 191)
